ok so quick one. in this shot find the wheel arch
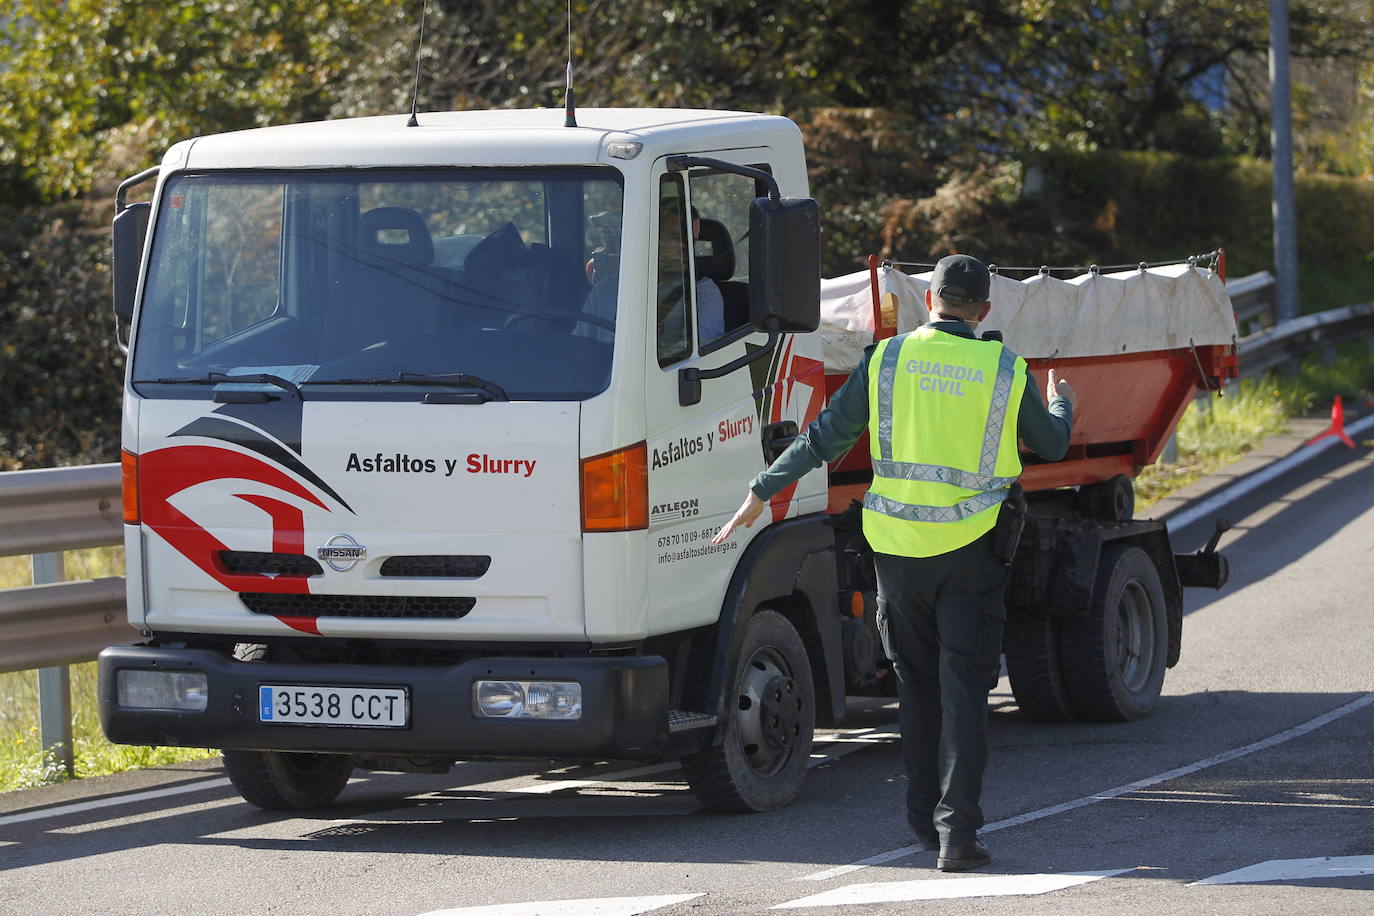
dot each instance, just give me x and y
(788, 568)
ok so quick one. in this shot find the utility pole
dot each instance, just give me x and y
(1281, 144)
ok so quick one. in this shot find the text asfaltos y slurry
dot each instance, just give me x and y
(474, 463)
(684, 447)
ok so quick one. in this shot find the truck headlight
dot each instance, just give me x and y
(186, 691)
(527, 699)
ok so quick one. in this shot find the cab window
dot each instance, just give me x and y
(673, 315)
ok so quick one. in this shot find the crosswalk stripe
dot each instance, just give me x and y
(597, 906)
(1296, 870)
(949, 888)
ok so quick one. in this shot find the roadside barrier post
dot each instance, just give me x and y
(54, 684)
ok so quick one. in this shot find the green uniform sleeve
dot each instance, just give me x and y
(828, 437)
(1045, 431)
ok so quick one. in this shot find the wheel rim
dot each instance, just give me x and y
(767, 712)
(1135, 636)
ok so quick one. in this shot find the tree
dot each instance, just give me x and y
(83, 75)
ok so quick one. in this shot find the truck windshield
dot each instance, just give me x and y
(340, 282)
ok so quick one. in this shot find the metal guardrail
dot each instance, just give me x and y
(1252, 298)
(62, 623)
(53, 623)
(48, 511)
(1292, 340)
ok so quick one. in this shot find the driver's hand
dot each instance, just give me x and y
(747, 514)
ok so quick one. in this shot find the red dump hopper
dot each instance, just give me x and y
(1137, 346)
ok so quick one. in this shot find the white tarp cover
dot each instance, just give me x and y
(1134, 311)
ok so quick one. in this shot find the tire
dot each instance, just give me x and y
(1035, 668)
(1114, 658)
(280, 780)
(761, 762)
(1111, 500)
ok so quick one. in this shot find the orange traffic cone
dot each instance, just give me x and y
(1337, 427)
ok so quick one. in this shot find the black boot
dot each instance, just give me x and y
(963, 856)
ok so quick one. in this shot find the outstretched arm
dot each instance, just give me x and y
(831, 434)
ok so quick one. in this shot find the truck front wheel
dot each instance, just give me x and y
(1114, 658)
(280, 780)
(761, 763)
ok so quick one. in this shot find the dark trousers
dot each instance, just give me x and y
(941, 621)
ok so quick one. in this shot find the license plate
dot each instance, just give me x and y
(315, 704)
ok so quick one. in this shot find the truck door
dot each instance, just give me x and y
(703, 455)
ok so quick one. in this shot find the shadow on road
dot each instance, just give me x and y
(1335, 493)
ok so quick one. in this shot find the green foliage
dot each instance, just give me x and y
(22, 763)
(82, 75)
(1123, 207)
(60, 370)
(1215, 431)
(918, 116)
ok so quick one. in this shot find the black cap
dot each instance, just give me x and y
(960, 279)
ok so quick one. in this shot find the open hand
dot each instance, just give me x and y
(747, 514)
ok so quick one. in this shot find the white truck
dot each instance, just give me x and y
(426, 432)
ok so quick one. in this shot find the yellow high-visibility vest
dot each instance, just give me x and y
(942, 436)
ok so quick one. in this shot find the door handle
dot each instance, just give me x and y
(777, 437)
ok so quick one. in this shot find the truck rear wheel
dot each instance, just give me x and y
(1114, 658)
(280, 780)
(761, 763)
(1035, 667)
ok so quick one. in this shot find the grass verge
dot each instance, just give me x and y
(1216, 431)
(22, 761)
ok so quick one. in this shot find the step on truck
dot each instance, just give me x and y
(427, 430)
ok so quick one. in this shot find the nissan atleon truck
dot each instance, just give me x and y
(426, 433)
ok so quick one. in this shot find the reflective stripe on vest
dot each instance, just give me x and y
(934, 473)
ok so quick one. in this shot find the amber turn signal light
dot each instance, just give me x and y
(615, 490)
(128, 475)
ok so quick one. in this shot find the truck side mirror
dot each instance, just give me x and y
(126, 254)
(785, 264)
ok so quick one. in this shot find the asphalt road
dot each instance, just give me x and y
(1251, 790)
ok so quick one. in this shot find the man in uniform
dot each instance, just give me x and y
(935, 402)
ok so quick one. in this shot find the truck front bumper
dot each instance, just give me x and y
(624, 707)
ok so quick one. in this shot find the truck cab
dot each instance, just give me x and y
(426, 432)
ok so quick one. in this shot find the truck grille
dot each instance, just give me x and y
(415, 607)
(447, 567)
(253, 562)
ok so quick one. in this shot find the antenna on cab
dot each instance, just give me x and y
(569, 106)
(419, 46)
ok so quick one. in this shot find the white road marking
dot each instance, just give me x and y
(1251, 803)
(599, 906)
(145, 817)
(1296, 731)
(202, 785)
(949, 888)
(1296, 870)
(1260, 478)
